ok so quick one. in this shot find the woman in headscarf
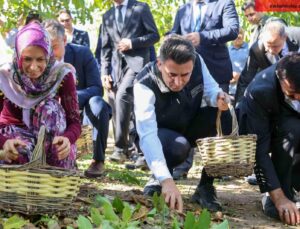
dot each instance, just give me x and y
(36, 91)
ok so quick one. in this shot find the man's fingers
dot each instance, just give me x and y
(298, 216)
(172, 201)
(179, 205)
(167, 198)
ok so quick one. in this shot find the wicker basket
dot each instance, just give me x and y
(35, 187)
(84, 143)
(232, 155)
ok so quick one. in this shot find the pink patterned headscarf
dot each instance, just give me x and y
(32, 34)
(17, 86)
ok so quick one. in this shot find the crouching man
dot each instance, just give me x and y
(169, 117)
(270, 109)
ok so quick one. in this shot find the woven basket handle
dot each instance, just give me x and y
(235, 126)
(38, 155)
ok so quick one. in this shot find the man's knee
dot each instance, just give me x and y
(96, 105)
(181, 149)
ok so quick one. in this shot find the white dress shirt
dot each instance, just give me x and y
(144, 108)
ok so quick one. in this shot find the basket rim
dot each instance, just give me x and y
(252, 136)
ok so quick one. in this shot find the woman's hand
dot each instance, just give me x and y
(63, 146)
(10, 152)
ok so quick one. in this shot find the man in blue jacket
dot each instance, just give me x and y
(89, 90)
(209, 25)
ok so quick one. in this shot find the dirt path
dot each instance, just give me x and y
(241, 201)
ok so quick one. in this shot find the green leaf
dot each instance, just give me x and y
(152, 213)
(137, 207)
(133, 224)
(100, 200)
(106, 225)
(52, 223)
(84, 223)
(155, 200)
(204, 220)
(69, 227)
(127, 213)
(96, 217)
(124, 177)
(175, 223)
(109, 213)
(14, 222)
(189, 221)
(118, 204)
(223, 225)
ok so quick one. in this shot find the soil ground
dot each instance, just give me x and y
(241, 202)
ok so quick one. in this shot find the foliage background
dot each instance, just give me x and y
(87, 13)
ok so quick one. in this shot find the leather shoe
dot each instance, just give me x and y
(95, 169)
(140, 163)
(206, 196)
(152, 186)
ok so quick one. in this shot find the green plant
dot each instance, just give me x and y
(14, 222)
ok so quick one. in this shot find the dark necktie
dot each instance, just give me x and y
(120, 18)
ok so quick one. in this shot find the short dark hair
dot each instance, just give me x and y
(66, 11)
(289, 68)
(247, 4)
(178, 49)
(33, 16)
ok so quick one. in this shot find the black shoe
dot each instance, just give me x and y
(206, 196)
(251, 179)
(140, 163)
(152, 186)
(179, 174)
(269, 208)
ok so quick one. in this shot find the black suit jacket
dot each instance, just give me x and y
(259, 59)
(139, 27)
(259, 109)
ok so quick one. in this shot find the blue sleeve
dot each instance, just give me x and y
(91, 76)
(229, 30)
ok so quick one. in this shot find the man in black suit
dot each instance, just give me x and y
(89, 89)
(270, 109)
(128, 30)
(276, 41)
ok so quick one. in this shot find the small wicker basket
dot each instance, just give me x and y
(35, 187)
(232, 155)
(84, 143)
